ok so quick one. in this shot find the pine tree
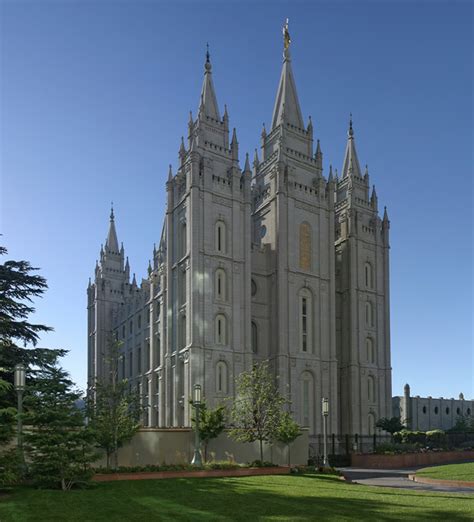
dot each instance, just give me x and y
(58, 443)
(257, 408)
(113, 411)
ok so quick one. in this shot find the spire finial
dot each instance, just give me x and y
(208, 65)
(112, 211)
(351, 130)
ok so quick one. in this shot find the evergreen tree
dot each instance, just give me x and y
(113, 412)
(287, 432)
(57, 441)
(257, 408)
(211, 424)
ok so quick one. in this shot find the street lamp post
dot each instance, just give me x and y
(325, 411)
(197, 461)
(19, 386)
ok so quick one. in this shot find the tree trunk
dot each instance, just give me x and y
(63, 484)
(261, 451)
(289, 458)
(107, 465)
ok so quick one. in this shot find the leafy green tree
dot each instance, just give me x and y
(464, 424)
(287, 431)
(390, 425)
(211, 424)
(113, 412)
(257, 408)
(58, 443)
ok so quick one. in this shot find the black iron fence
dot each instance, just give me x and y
(340, 447)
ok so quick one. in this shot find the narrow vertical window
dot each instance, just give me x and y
(220, 238)
(305, 320)
(369, 276)
(369, 314)
(221, 377)
(254, 337)
(221, 329)
(371, 388)
(307, 400)
(370, 350)
(220, 284)
(139, 360)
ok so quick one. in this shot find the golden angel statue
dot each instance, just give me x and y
(286, 35)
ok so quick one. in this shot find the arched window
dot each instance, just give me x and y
(371, 388)
(220, 284)
(307, 401)
(468, 411)
(369, 314)
(424, 409)
(220, 238)
(221, 329)
(221, 377)
(369, 343)
(458, 410)
(254, 337)
(436, 410)
(305, 246)
(371, 423)
(305, 320)
(369, 276)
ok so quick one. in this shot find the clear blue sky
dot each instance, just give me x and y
(95, 97)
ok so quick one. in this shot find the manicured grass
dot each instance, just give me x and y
(249, 499)
(464, 471)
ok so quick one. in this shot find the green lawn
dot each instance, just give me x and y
(464, 471)
(269, 498)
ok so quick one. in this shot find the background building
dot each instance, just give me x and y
(429, 413)
(273, 261)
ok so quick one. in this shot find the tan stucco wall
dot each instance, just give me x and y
(175, 446)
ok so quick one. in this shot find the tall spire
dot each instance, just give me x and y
(208, 105)
(287, 107)
(351, 164)
(111, 243)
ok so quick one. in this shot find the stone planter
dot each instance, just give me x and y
(409, 460)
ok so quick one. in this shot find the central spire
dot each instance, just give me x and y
(287, 107)
(351, 164)
(111, 243)
(208, 105)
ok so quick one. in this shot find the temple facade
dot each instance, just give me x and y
(273, 260)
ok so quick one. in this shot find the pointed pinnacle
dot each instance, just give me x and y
(318, 149)
(170, 173)
(264, 131)
(247, 163)
(330, 178)
(310, 124)
(112, 211)
(226, 114)
(385, 214)
(234, 137)
(256, 161)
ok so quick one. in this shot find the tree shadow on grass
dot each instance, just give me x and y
(293, 499)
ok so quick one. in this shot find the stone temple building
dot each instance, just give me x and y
(278, 259)
(430, 413)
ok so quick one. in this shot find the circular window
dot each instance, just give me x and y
(458, 411)
(447, 411)
(424, 409)
(436, 409)
(253, 287)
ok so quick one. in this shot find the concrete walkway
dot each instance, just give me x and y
(395, 478)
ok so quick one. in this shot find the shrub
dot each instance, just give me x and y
(436, 439)
(387, 448)
(9, 468)
(409, 437)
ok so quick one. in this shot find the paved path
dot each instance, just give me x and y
(395, 478)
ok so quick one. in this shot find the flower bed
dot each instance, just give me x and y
(199, 473)
(409, 460)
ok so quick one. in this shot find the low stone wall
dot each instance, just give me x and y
(409, 460)
(176, 446)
